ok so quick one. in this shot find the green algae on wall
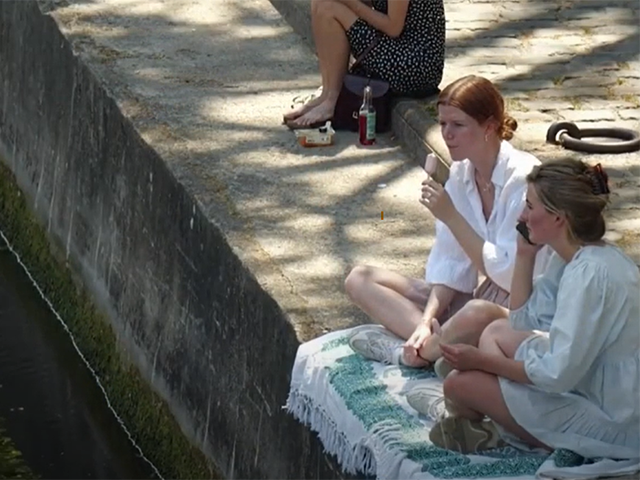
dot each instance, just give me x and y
(11, 462)
(146, 415)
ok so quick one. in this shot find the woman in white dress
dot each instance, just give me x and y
(576, 385)
(476, 214)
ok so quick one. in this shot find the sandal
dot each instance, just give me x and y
(293, 125)
(301, 100)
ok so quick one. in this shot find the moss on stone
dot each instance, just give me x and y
(11, 462)
(146, 415)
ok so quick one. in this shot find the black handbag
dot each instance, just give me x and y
(345, 116)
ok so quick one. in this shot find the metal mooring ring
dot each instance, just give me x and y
(570, 136)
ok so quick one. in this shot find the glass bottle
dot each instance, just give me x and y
(367, 118)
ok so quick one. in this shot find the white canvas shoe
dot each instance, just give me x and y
(442, 368)
(428, 400)
(377, 344)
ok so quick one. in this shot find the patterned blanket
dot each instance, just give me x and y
(359, 410)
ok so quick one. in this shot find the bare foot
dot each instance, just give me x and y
(318, 114)
(301, 110)
(410, 358)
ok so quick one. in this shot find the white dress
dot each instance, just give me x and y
(585, 371)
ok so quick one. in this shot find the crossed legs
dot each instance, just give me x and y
(397, 302)
(475, 394)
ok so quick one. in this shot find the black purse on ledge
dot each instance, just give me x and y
(345, 116)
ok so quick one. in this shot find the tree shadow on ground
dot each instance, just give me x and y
(183, 80)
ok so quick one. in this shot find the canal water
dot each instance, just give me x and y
(51, 406)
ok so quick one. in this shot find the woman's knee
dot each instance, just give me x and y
(501, 334)
(323, 8)
(357, 280)
(493, 331)
(315, 4)
(483, 310)
(474, 316)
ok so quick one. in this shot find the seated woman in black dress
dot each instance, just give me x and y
(409, 53)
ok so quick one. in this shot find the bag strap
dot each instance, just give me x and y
(365, 53)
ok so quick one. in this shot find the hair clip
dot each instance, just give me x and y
(600, 180)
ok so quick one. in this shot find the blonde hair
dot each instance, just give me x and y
(480, 99)
(576, 190)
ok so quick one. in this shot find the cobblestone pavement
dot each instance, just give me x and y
(574, 60)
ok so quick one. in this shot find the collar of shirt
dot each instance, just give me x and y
(498, 177)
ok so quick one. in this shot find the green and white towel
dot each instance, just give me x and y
(359, 410)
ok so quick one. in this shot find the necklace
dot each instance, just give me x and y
(486, 186)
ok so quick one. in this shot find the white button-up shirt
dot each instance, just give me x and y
(448, 264)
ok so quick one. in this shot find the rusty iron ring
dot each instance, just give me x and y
(568, 135)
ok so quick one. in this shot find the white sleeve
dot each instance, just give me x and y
(524, 318)
(538, 311)
(448, 264)
(500, 257)
(579, 330)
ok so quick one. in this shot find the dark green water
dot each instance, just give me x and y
(51, 407)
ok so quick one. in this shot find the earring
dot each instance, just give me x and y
(486, 137)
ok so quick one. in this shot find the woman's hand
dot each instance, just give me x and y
(437, 200)
(350, 2)
(355, 4)
(462, 357)
(417, 340)
(523, 247)
(419, 337)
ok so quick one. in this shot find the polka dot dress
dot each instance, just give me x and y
(413, 62)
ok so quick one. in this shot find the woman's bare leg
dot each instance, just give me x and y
(501, 339)
(390, 299)
(318, 20)
(315, 21)
(332, 20)
(465, 326)
(475, 394)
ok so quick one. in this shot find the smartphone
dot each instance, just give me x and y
(524, 231)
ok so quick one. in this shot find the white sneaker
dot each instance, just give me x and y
(442, 368)
(377, 344)
(428, 400)
(465, 436)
